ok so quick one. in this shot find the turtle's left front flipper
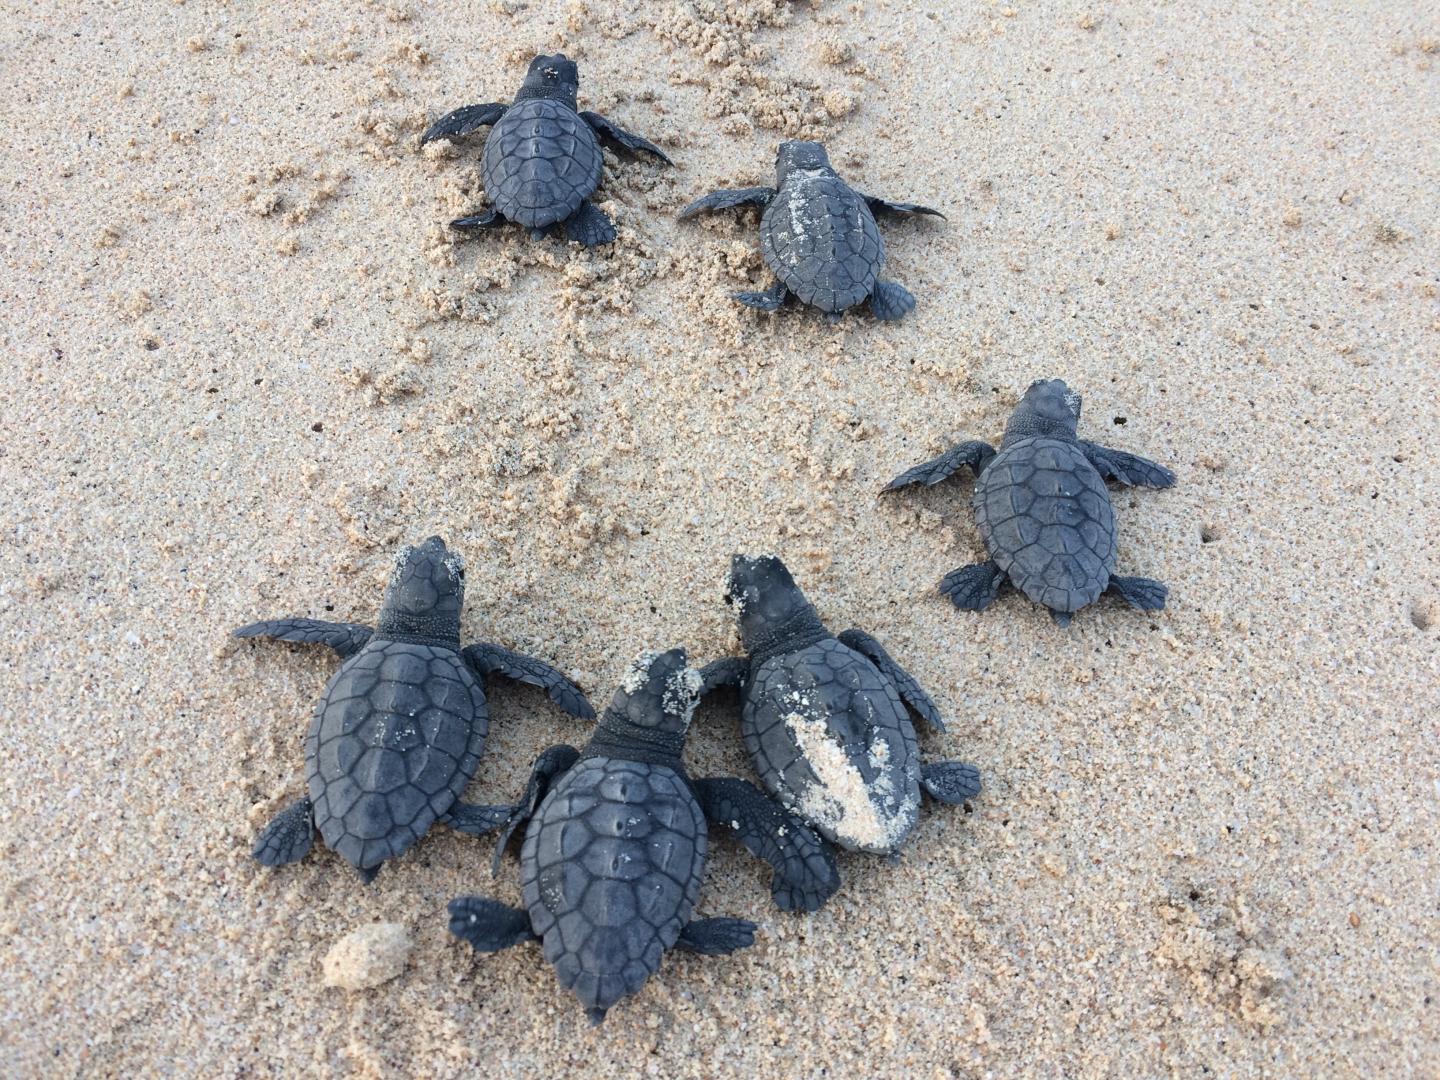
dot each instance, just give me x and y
(489, 659)
(347, 639)
(805, 872)
(614, 133)
(464, 120)
(1126, 468)
(880, 206)
(910, 690)
(552, 763)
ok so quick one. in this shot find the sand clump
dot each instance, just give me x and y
(368, 957)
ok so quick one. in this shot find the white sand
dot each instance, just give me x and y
(244, 362)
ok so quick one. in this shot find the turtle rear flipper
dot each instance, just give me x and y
(486, 219)
(589, 226)
(950, 782)
(716, 937)
(891, 301)
(1144, 593)
(346, 639)
(975, 587)
(805, 872)
(464, 120)
(767, 300)
(488, 925)
(289, 836)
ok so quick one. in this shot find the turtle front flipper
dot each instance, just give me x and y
(489, 659)
(726, 198)
(880, 206)
(1143, 593)
(590, 226)
(464, 120)
(891, 301)
(911, 692)
(288, 837)
(805, 871)
(552, 763)
(475, 820)
(974, 587)
(488, 925)
(347, 639)
(716, 937)
(766, 300)
(952, 782)
(613, 133)
(1126, 468)
(972, 452)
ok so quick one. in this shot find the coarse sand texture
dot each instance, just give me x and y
(245, 361)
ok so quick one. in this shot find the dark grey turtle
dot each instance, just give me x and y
(824, 718)
(401, 726)
(615, 849)
(542, 160)
(818, 235)
(1043, 510)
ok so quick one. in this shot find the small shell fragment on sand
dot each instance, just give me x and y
(367, 957)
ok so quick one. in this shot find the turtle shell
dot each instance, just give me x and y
(393, 743)
(1046, 519)
(832, 741)
(541, 162)
(610, 871)
(820, 239)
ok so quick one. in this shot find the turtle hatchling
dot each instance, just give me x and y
(1044, 511)
(825, 718)
(542, 159)
(614, 852)
(400, 728)
(818, 236)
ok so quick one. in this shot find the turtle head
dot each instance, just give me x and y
(1049, 409)
(796, 156)
(765, 597)
(426, 590)
(554, 77)
(658, 694)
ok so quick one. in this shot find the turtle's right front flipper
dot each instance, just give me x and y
(489, 659)
(552, 763)
(347, 639)
(973, 453)
(463, 121)
(805, 871)
(730, 672)
(726, 198)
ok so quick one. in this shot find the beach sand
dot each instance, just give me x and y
(245, 361)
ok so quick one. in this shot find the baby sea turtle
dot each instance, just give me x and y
(824, 717)
(615, 849)
(818, 235)
(401, 726)
(542, 159)
(1043, 509)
